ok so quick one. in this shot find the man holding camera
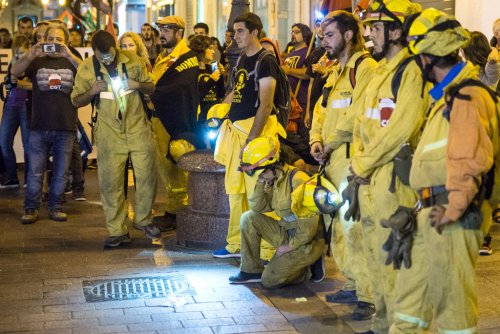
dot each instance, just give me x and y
(113, 81)
(51, 67)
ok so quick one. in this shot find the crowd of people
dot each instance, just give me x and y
(382, 156)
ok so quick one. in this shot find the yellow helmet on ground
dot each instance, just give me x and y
(216, 114)
(390, 10)
(177, 148)
(436, 33)
(259, 153)
(320, 195)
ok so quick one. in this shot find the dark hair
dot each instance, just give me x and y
(25, 19)
(445, 61)
(202, 26)
(346, 21)
(252, 22)
(115, 25)
(305, 30)
(199, 44)
(393, 25)
(478, 49)
(5, 30)
(146, 25)
(103, 41)
(75, 30)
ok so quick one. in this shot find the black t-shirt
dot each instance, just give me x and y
(246, 95)
(53, 80)
(319, 81)
(211, 92)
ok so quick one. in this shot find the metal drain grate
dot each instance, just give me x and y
(136, 288)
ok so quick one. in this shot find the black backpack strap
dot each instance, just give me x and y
(292, 174)
(353, 71)
(398, 75)
(97, 98)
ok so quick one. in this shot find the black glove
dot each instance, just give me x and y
(350, 194)
(399, 243)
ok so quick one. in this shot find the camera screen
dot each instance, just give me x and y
(51, 48)
(214, 66)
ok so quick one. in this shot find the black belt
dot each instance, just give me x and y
(433, 196)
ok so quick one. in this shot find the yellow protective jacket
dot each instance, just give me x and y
(134, 120)
(164, 60)
(231, 139)
(279, 201)
(387, 124)
(334, 124)
(457, 153)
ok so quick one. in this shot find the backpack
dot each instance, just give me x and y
(282, 93)
(352, 79)
(488, 182)
(398, 75)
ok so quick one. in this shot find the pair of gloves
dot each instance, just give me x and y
(350, 195)
(398, 245)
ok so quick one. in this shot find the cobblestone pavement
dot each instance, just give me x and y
(43, 267)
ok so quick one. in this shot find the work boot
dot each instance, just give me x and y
(343, 297)
(318, 270)
(244, 277)
(57, 214)
(30, 216)
(165, 222)
(112, 242)
(363, 311)
(150, 231)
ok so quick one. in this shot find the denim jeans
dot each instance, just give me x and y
(12, 119)
(41, 144)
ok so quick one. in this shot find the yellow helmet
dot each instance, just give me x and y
(390, 10)
(259, 153)
(177, 148)
(216, 114)
(436, 33)
(320, 195)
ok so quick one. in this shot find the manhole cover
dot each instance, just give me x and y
(136, 287)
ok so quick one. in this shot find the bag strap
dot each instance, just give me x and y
(398, 75)
(292, 174)
(352, 72)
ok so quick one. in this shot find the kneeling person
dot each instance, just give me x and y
(299, 240)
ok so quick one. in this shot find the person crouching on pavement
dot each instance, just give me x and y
(299, 240)
(114, 80)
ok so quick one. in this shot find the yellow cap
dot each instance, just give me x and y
(172, 20)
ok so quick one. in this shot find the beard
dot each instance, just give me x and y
(335, 52)
(168, 44)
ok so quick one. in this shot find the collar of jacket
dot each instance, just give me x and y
(180, 49)
(438, 91)
(352, 60)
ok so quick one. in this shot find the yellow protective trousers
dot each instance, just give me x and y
(442, 280)
(347, 249)
(173, 178)
(289, 268)
(113, 150)
(239, 186)
(378, 203)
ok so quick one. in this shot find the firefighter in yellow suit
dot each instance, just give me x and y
(331, 137)
(454, 154)
(387, 125)
(298, 238)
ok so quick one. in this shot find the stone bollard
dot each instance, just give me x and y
(203, 225)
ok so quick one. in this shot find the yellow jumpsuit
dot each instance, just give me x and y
(117, 139)
(454, 153)
(332, 126)
(379, 133)
(304, 235)
(239, 186)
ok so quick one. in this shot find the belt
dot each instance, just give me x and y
(433, 196)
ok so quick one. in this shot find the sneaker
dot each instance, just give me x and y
(92, 164)
(244, 277)
(224, 253)
(318, 270)
(9, 184)
(150, 231)
(68, 190)
(343, 297)
(486, 249)
(78, 195)
(57, 215)
(112, 242)
(363, 311)
(30, 216)
(166, 222)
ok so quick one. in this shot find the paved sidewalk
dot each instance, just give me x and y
(43, 267)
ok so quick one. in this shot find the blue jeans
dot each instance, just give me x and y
(41, 144)
(12, 119)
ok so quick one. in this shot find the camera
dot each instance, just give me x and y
(51, 47)
(214, 66)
